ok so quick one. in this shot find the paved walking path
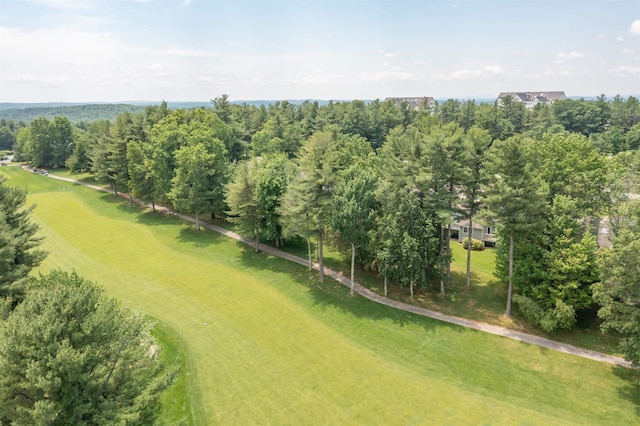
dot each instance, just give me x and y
(365, 292)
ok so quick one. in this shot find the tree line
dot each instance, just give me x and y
(79, 114)
(385, 183)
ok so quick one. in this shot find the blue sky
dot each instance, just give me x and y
(195, 50)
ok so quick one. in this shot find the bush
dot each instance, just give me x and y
(475, 244)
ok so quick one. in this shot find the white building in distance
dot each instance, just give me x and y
(416, 103)
(531, 99)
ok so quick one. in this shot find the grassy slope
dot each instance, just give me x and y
(265, 343)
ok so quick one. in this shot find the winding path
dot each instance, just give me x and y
(365, 292)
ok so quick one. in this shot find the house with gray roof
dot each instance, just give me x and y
(461, 230)
(531, 99)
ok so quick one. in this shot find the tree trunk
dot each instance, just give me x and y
(309, 248)
(353, 261)
(320, 259)
(469, 253)
(256, 232)
(385, 281)
(448, 260)
(197, 222)
(411, 288)
(442, 251)
(130, 198)
(510, 290)
(153, 205)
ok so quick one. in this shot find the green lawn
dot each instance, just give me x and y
(484, 301)
(85, 177)
(263, 342)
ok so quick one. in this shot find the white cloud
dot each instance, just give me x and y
(487, 71)
(560, 73)
(419, 62)
(183, 3)
(195, 53)
(56, 46)
(66, 4)
(55, 62)
(394, 74)
(635, 27)
(626, 70)
(570, 55)
(628, 51)
(620, 39)
(30, 78)
(319, 78)
(386, 54)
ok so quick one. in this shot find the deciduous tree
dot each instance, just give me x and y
(273, 175)
(565, 258)
(7, 138)
(618, 293)
(353, 210)
(140, 173)
(201, 175)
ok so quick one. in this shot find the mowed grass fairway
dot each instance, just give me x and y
(265, 343)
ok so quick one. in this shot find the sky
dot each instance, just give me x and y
(196, 50)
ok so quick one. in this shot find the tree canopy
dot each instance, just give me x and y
(388, 181)
(71, 355)
(619, 291)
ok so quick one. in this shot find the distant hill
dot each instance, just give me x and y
(257, 103)
(74, 112)
(77, 112)
(17, 105)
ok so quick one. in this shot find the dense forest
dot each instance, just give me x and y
(75, 113)
(386, 183)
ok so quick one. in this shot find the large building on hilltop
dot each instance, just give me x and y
(416, 103)
(531, 99)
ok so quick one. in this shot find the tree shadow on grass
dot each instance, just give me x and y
(151, 218)
(333, 295)
(459, 279)
(203, 238)
(122, 204)
(630, 390)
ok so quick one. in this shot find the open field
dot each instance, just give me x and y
(265, 343)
